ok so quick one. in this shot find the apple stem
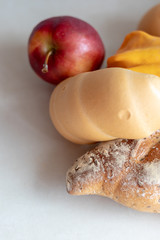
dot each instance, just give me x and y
(45, 65)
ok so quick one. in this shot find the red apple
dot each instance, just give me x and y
(61, 47)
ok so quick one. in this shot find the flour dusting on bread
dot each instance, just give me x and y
(107, 158)
(127, 171)
(151, 172)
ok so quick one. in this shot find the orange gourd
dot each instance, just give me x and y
(139, 52)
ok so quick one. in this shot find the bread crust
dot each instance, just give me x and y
(125, 170)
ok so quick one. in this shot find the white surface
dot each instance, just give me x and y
(34, 158)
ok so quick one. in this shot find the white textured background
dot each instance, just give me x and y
(34, 158)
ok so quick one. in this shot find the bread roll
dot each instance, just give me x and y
(150, 22)
(127, 171)
(106, 104)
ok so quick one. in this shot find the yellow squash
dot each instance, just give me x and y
(139, 52)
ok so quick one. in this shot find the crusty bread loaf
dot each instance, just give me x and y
(106, 104)
(127, 171)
